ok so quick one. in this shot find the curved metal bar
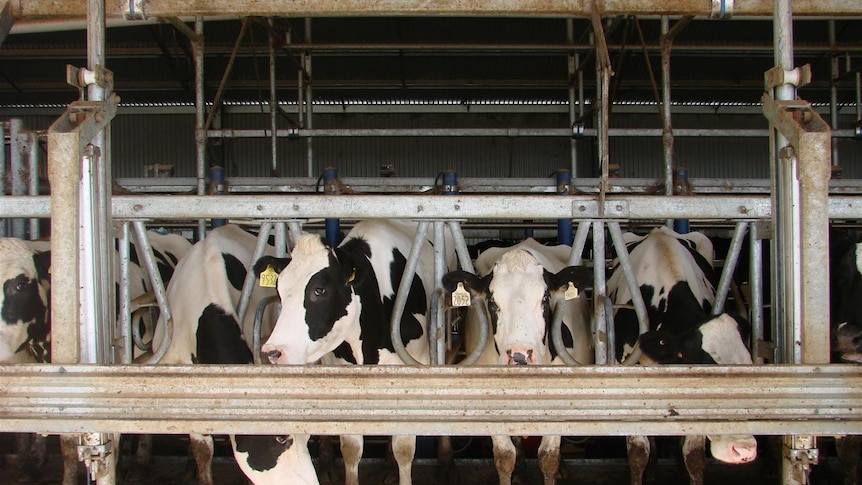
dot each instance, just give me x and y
(460, 246)
(557, 333)
(579, 242)
(248, 284)
(628, 272)
(295, 229)
(258, 324)
(145, 253)
(729, 267)
(403, 289)
(477, 305)
(137, 338)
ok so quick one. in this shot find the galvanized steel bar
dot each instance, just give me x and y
(319, 8)
(33, 156)
(436, 318)
(273, 105)
(200, 117)
(755, 272)
(145, 254)
(124, 347)
(3, 126)
(248, 283)
(450, 400)
(16, 171)
(729, 266)
(629, 275)
(600, 292)
(419, 240)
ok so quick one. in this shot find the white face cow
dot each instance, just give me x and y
(25, 328)
(522, 286)
(674, 272)
(257, 455)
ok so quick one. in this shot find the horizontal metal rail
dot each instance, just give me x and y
(588, 401)
(464, 206)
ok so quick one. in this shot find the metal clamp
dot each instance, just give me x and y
(93, 450)
(721, 9)
(777, 76)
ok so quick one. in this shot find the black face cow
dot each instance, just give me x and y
(336, 307)
(847, 307)
(674, 272)
(521, 286)
(203, 295)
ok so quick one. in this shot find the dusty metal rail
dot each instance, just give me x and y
(586, 401)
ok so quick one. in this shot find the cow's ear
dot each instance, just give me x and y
(277, 264)
(471, 282)
(42, 261)
(580, 276)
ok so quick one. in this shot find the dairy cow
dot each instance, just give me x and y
(25, 331)
(675, 274)
(336, 305)
(521, 286)
(203, 294)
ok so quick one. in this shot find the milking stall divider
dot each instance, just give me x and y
(83, 392)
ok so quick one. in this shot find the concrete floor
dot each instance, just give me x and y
(474, 467)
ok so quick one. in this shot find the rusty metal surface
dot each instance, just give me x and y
(433, 400)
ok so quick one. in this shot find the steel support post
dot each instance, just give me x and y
(600, 292)
(273, 104)
(759, 349)
(200, 117)
(307, 99)
(33, 157)
(16, 171)
(3, 222)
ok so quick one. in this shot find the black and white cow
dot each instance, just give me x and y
(336, 305)
(24, 270)
(675, 274)
(203, 295)
(521, 286)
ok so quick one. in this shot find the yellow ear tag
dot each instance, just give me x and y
(352, 276)
(268, 278)
(460, 297)
(571, 292)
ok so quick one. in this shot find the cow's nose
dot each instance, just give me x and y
(270, 354)
(520, 356)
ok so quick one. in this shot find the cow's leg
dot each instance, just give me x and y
(404, 449)
(143, 457)
(69, 453)
(549, 458)
(848, 448)
(504, 458)
(638, 449)
(326, 458)
(31, 449)
(446, 470)
(351, 453)
(202, 448)
(694, 455)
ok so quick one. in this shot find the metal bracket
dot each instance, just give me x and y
(777, 76)
(81, 77)
(801, 452)
(93, 450)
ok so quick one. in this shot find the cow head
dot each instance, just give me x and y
(520, 295)
(275, 460)
(25, 328)
(846, 313)
(719, 340)
(318, 303)
(847, 342)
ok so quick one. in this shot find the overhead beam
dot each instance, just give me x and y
(29, 9)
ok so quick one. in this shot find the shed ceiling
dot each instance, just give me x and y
(465, 60)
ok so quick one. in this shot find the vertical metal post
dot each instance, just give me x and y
(125, 347)
(33, 177)
(833, 91)
(600, 291)
(680, 187)
(756, 289)
(273, 106)
(200, 117)
(3, 173)
(436, 324)
(307, 94)
(729, 265)
(573, 61)
(218, 188)
(330, 181)
(16, 169)
(667, 128)
(564, 226)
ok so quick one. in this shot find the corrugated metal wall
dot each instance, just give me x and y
(144, 139)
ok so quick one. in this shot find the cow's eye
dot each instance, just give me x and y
(19, 286)
(319, 291)
(545, 298)
(281, 439)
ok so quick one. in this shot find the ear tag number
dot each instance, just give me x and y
(268, 278)
(460, 297)
(572, 292)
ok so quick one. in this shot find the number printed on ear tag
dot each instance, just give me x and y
(460, 297)
(268, 278)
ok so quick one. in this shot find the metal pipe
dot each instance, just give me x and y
(145, 249)
(16, 169)
(333, 8)
(564, 226)
(226, 74)
(218, 188)
(3, 222)
(667, 128)
(599, 292)
(729, 267)
(498, 132)
(330, 187)
(460, 246)
(573, 61)
(833, 90)
(248, 283)
(628, 272)
(200, 118)
(419, 240)
(309, 105)
(295, 229)
(280, 239)
(33, 157)
(126, 350)
(579, 242)
(436, 314)
(258, 325)
(755, 272)
(273, 104)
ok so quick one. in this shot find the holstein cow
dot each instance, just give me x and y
(846, 314)
(24, 268)
(675, 274)
(203, 295)
(336, 305)
(521, 286)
